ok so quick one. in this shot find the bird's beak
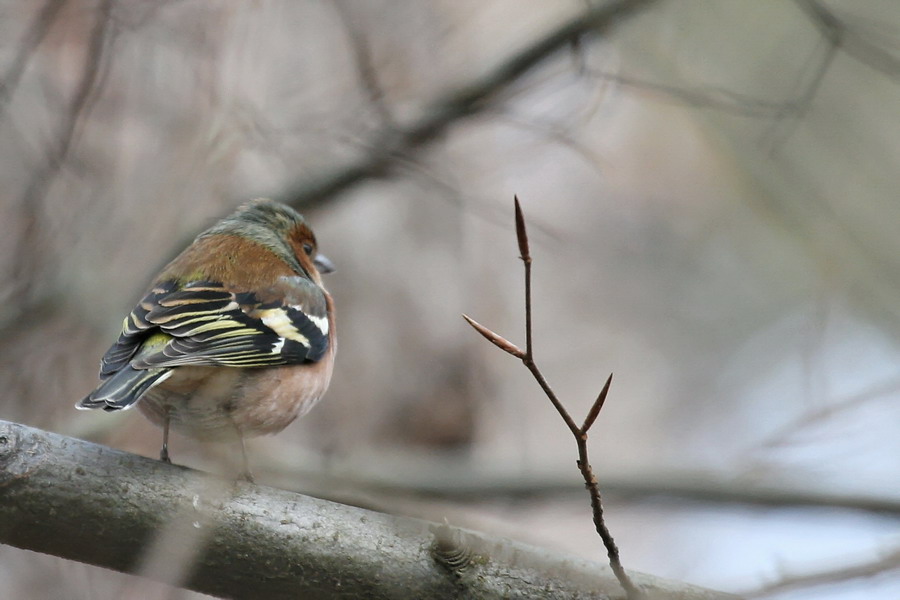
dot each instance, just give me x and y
(323, 264)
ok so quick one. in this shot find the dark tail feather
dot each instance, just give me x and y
(124, 388)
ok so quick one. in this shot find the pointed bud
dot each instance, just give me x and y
(495, 339)
(521, 233)
(595, 409)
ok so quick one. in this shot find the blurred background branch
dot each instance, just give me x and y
(396, 142)
(455, 480)
(34, 35)
(888, 561)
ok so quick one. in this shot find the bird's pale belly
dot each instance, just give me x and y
(222, 403)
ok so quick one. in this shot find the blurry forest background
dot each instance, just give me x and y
(711, 188)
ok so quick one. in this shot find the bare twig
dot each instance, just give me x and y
(579, 433)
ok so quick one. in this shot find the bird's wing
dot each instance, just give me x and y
(211, 325)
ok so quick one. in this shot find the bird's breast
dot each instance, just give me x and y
(224, 403)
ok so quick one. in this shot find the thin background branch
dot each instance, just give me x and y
(92, 75)
(25, 50)
(857, 46)
(365, 67)
(454, 479)
(889, 561)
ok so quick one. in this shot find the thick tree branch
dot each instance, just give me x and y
(89, 503)
(391, 145)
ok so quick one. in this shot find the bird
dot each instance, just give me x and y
(234, 338)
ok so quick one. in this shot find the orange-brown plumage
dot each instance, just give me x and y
(227, 258)
(236, 335)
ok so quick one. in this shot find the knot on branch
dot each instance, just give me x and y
(7, 443)
(450, 551)
(12, 445)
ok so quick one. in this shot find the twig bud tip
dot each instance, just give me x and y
(521, 232)
(598, 404)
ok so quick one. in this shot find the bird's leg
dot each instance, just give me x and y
(246, 475)
(164, 451)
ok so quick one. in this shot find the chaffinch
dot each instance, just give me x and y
(235, 337)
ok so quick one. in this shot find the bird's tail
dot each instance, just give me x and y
(124, 389)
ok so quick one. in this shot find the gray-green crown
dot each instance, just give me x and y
(267, 223)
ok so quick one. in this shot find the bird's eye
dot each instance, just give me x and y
(308, 249)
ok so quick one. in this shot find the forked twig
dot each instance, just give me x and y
(579, 433)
